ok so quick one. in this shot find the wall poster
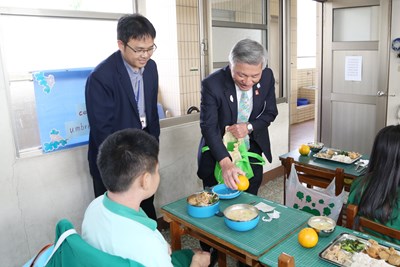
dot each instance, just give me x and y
(61, 109)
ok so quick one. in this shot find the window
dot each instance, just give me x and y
(36, 40)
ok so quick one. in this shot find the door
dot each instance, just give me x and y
(354, 72)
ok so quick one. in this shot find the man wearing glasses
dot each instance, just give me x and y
(121, 92)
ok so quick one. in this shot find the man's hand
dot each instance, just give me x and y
(230, 173)
(238, 130)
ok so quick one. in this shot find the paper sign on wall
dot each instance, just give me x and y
(353, 68)
(61, 108)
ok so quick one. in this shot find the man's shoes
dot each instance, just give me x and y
(214, 257)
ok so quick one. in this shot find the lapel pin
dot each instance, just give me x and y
(258, 85)
(231, 98)
(257, 92)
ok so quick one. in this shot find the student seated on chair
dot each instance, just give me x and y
(377, 193)
(114, 222)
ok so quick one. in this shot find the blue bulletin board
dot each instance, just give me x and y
(61, 109)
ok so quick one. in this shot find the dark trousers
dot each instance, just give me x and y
(147, 205)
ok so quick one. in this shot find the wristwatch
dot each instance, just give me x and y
(249, 127)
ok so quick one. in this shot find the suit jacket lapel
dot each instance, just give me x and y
(126, 83)
(230, 95)
(258, 100)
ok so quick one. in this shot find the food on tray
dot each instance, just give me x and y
(338, 155)
(352, 246)
(203, 199)
(336, 254)
(347, 250)
(363, 260)
(377, 251)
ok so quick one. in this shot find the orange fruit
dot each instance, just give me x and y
(243, 183)
(304, 150)
(308, 237)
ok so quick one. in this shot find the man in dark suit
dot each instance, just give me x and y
(220, 95)
(121, 93)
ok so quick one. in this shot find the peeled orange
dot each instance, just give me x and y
(308, 237)
(243, 183)
(304, 150)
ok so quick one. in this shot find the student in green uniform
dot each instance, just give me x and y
(377, 193)
(114, 222)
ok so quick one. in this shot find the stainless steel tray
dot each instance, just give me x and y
(323, 155)
(331, 246)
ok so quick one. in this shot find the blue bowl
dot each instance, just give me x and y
(249, 220)
(225, 192)
(203, 211)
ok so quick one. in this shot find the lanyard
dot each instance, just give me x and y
(138, 93)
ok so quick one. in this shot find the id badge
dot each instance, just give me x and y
(143, 121)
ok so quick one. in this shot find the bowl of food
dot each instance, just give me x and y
(315, 146)
(323, 225)
(241, 217)
(203, 204)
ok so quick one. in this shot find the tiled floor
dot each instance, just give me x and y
(301, 133)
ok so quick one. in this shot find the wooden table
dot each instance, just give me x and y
(246, 247)
(305, 257)
(350, 172)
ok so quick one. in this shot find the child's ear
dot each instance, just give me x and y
(145, 180)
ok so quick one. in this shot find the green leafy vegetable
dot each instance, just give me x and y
(352, 246)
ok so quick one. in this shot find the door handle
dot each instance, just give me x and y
(380, 93)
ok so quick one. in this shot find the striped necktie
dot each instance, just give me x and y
(244, 113)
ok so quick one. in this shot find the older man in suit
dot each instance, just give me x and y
(246, 76)
(121, 93)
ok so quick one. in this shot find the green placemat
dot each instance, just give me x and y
(306, 257)
(256, 241)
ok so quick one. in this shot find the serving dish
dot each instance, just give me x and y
(323, 225)
(346, 157)
(203, 204)
(225, 192)
(315, 146)
(347, 249)
(241, 217)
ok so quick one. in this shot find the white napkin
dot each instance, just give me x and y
(273, 215)
(264, 207)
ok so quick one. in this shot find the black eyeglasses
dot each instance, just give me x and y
(141, 51)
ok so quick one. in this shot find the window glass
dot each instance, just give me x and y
(356, 24)
(123, 6)
(245, 11)
(31, 43)
(306, 34)
(225, 38)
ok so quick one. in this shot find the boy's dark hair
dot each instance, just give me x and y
(134, 26)
(125, 155)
